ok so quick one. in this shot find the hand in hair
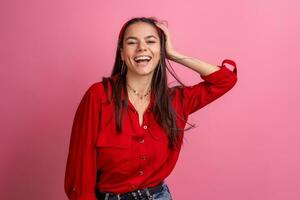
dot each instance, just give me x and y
(170, 51)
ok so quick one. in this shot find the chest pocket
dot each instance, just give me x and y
(114, 151)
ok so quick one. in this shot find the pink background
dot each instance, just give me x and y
(246, 145)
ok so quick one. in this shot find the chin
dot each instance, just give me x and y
(142, 72)
(145, 73)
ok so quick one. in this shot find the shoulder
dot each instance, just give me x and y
(96, 87)
(175, 90)
(95, 91)
(101, 89)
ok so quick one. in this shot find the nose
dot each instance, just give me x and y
(142, 46)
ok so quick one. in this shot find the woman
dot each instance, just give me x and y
(128, 129)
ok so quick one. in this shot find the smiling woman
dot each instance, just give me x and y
(141, 53)
(140, 50)
(128, 128)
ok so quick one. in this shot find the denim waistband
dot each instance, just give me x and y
(140, 194)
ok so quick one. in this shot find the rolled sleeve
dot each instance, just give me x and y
(214, 85)
(81, 168)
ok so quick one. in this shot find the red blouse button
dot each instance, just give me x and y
(143, 157)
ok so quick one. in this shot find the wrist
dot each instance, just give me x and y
(175, 56)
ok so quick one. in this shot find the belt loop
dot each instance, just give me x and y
(148, 194)
(106, 196)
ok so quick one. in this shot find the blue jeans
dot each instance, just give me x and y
(165, 194)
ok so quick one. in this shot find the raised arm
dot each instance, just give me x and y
(217, 79)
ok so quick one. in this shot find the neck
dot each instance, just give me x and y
(139, 83)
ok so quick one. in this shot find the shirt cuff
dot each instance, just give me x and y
(222, 72)
(217, 75)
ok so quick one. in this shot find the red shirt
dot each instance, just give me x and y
(139, 157)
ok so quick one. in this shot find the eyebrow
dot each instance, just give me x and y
(135, 38)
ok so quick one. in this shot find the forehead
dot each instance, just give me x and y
(140, 30)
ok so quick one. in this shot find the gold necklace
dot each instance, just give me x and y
(141, 96)
(140, 104)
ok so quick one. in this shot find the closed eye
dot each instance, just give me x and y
(147, 42)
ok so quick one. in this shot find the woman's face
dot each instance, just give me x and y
(141, 49)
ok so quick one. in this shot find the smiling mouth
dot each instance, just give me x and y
(142, 60)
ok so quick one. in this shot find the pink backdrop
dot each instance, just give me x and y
(245, 146)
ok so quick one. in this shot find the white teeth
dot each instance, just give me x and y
(142, 58)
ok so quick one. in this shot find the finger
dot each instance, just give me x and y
(158, 24)
(161, 25)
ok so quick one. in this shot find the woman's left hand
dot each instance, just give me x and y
(169, 46)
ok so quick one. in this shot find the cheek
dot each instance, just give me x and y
(156, 50)
(157, 54)
(156, 59)
(128, 51)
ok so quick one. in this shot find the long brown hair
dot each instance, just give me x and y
(162, 106)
